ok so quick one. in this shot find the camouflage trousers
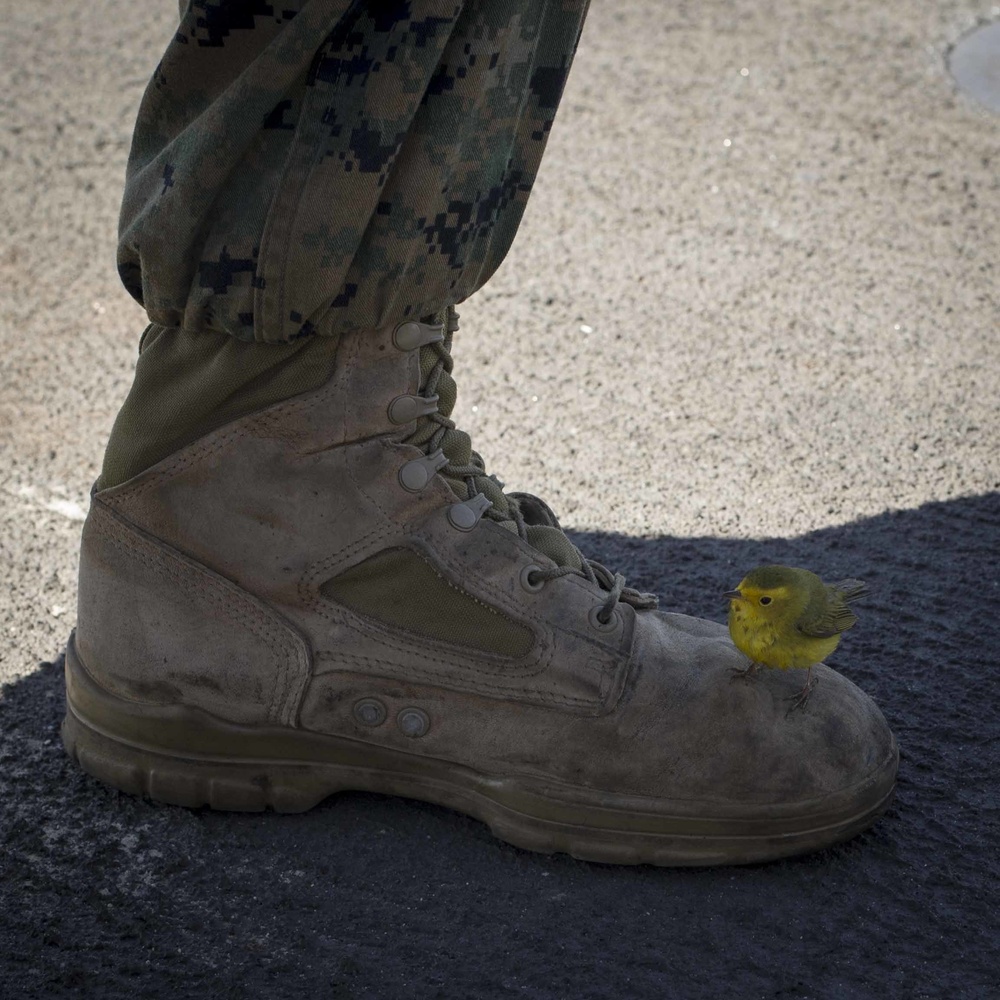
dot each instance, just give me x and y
(316, 166)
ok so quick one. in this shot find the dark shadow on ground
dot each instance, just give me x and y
(103, 895)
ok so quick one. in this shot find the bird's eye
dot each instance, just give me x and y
(765, 600)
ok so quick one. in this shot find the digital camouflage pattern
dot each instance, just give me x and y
(318, 166)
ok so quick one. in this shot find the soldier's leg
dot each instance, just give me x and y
(321, 165)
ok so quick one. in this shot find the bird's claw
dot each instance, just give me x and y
(747, 673)
(798, 700)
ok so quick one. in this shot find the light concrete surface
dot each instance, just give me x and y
(754, 294)
(752, 314)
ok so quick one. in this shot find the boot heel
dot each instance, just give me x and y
(184, 757)
(189, 782)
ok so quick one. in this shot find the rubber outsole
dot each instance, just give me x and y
(185, 757)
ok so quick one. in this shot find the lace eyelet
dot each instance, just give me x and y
(531, 586)
(594, 617)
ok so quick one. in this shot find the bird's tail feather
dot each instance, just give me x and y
(852, 590)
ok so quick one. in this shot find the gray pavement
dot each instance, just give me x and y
(752, 313)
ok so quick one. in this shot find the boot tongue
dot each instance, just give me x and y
(554, 544)
(543, 531)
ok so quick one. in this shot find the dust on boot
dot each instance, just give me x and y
(331, 593)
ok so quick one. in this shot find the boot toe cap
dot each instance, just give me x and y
(741, 741)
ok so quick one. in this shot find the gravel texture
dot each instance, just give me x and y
(751, 316)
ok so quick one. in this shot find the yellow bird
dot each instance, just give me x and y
(786, 618)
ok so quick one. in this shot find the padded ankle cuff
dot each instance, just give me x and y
(187, 384)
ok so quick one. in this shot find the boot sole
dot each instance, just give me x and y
(186, 757)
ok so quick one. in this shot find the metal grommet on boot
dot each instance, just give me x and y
(413, 722)
(405, 409)
(369, 712)
(465, 516)
(415, 475)
(411, 335)
(531, 586)
(596, 623)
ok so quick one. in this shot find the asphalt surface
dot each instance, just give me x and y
(750, 316)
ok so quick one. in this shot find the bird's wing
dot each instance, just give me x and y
(826, 615)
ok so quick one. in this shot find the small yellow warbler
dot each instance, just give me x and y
(784, 617)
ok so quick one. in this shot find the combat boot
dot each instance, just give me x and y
(331, 593)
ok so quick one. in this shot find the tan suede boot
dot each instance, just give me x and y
(312, 598)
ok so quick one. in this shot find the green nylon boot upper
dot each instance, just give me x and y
(187, 384)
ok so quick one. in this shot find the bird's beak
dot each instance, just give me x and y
(733, 595)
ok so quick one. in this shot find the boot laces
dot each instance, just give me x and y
(437, 431)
